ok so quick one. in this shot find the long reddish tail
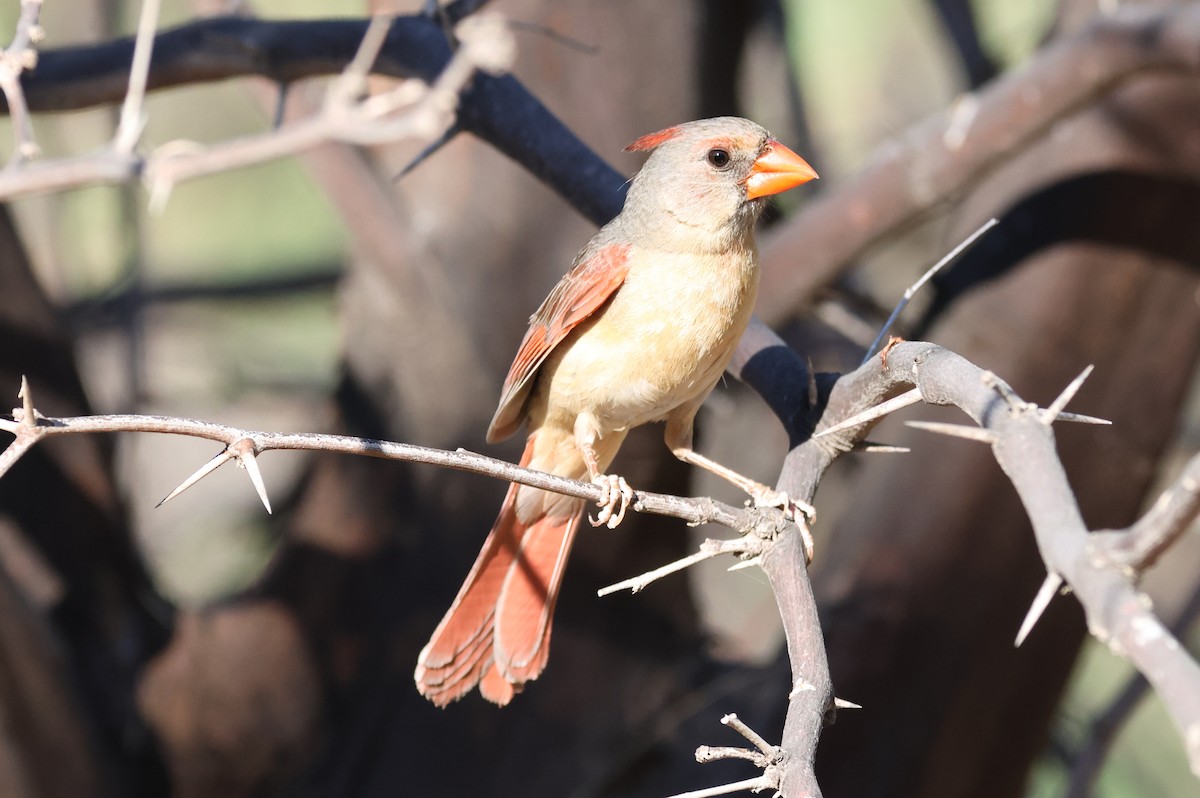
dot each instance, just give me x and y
(497, 632)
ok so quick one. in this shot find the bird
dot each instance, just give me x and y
(639, 330)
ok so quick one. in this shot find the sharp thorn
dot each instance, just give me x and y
(882, 409)
(251, 463)
(1079, 418)
(281, 104)
(1056, 407)
(956, 431)
(870, 447)
(1042, 600)
(199, 474)
(814, 393)
(29, 418)
(428, 151)
(743, 564)
(842, 703)
(912, 290)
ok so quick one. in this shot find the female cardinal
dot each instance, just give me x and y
(640, 329)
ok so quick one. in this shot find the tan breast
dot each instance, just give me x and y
(663, 340)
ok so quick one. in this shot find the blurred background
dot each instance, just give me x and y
(258, 655)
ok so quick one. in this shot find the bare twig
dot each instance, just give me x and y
(18, 57)
(1140, 546)
(768, 757)
(412, 109)
(132, 122)
(409, 110)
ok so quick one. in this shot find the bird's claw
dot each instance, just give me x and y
(614, 500)
(802, 513)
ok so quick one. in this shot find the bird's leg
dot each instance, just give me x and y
(616, 494)
(679, 439)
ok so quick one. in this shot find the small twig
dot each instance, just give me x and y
(734, 722)
(132, 122)
(912, 290)
(352, 82)
(1139, 547)
(768, 757)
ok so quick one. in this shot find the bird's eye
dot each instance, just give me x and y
(718, 158)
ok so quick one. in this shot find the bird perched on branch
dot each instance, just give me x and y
(639, 330)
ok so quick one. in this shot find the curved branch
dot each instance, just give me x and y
(1023, 445)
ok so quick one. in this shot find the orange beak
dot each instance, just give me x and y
(776, 170)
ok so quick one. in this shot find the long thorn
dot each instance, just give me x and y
(251, 463)
(813, 392)
(912, 290)
(1042, 600)
(882, 409)
(636, 583)
(428, 150)
(956, 431)
(1056, 407)
(199, 474)
(756, 784)
(1079, 418)
(871, 447)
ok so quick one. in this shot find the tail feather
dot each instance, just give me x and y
(472, 658)
(496, 688)
(525, 608)
(496, 633)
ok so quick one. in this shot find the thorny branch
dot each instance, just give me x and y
(412, 109)
(28, 426)
(1022, 441)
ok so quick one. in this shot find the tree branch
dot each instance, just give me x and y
(241, 443)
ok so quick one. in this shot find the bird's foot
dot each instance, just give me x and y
(614, 500)
(803, 513)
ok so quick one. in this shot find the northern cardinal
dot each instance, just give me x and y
(640, 329)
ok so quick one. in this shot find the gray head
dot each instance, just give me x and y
(705, 182)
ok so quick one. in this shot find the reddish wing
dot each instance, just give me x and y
(579, 294)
